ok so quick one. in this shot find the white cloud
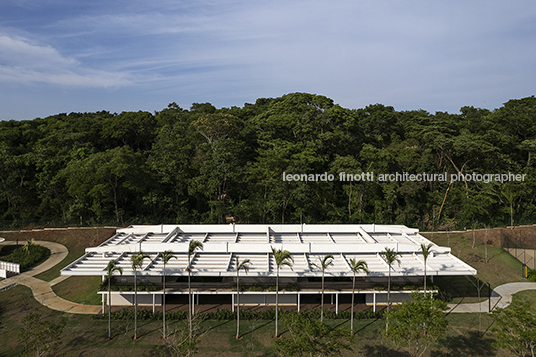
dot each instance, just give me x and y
(24, 61)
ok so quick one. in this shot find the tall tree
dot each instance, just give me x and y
(240, 265)
(111, 268)
(356, 266)
(426, 251)
(165, 256)
(323, 263)
(282, 258)
(137, 263)
(192, 247)
(390, 256)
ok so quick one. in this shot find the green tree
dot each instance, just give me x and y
(516, 328)
(111, 268)
(282, 258)
(323, 263)
(309, 337)
(28, 246)
(426, 251)
(39, 336)
(240, 265)
(390, 256)
(417, 324)
(165, 256)
(192, 247)
(356, 266)
(137, 263)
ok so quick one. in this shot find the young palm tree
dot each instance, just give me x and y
(137, 262)
(323, 264)
(110, 270)
(166, 256)
(391, 256)
(281, 257)
(356, 266)
(194, 244)
(244, 265)
(426, 250)
(27, 246)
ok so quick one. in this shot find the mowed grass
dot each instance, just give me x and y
(494, 265)
(76, 241)
(80, 289)
(84, 335)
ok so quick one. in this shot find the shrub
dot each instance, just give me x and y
(255, 288)
(35, 255)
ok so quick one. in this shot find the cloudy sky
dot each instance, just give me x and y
(62, 55)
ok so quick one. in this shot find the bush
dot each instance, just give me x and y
(255, 288)
(379, 287)
(27, 260)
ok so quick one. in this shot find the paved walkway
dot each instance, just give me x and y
(501, 297)
(42, 290)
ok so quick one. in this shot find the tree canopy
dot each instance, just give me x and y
(210, 165)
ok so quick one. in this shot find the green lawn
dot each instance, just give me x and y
(85, 335)
(80, 289)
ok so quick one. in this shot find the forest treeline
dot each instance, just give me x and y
(209, 165)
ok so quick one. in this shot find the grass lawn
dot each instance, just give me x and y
(528, 296)
(80, 289)
(76, 241)
(85, 336)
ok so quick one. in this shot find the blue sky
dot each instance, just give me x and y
(62, 55)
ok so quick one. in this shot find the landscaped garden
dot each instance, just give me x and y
(464, 335)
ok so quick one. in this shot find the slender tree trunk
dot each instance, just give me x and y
(109, 310)
(189, 299)
(276, 301)
(164, 303)
(425, 277)
(352, 309)
(237, 306)
(135, 306)
(388, 298)
(322, 301)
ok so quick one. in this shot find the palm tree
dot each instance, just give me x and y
(194, 244)
(27, 246)
(281, 257)
(110, 270)
(356, 266)
(426, 250)
(166, 256)
(244, 265)
(390, 256)
(137, 262)
(323, 264)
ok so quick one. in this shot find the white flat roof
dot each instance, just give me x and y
(306, 243)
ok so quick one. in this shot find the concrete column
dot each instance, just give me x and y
(193, 304)
(374, 302)
(298, 302)
(103, 300)
(153, 301)
(336, 303)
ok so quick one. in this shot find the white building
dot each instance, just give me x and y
(214, 268)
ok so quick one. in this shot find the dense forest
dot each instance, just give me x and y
(209, 165)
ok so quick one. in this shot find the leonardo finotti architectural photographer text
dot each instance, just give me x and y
(405, 176)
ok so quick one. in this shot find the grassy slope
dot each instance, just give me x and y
(493, 264)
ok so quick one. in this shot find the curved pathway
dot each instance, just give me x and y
(501, 297)
(42, 290)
